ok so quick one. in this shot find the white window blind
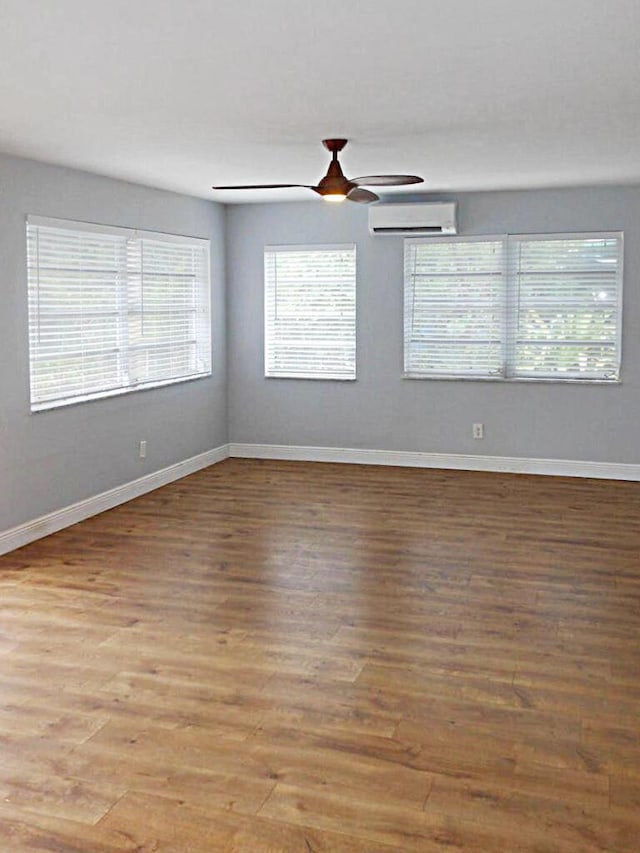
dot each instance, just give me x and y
(517, 307)
(566, 294)
(454, 308)
(310, 311)
(113, 310)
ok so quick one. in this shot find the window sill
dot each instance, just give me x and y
(313, 378)
(514, 379)
(36, 408)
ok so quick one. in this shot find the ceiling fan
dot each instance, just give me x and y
(335, 186)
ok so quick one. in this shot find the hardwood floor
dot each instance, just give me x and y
(280, 656)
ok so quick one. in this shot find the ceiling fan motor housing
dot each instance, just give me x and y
(334, 182)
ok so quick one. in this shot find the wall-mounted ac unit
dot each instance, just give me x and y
(415, 220)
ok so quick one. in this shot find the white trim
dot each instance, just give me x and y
(310, 247)
(38, 528)
(505, 235)
(116, 362)
(457, 238)
(115, 230)
(47, 405)
(276, 340)
(509, 283)
(18, 536)
(567, 235)
(459, 461)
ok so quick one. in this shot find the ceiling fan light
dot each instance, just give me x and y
(334, 197)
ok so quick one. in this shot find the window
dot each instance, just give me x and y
(113, 310)
(310, 311)
(516, 307)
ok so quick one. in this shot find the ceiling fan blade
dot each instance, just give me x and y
(264, 187)
(362, 196)
(386, 180)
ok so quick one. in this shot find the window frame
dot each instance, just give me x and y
(123, 311)
(510, 307)
(268, 342)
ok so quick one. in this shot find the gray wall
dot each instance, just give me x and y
(381, 409)
(52, 459)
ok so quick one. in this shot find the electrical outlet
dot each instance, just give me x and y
(142, 449)
(478, 430)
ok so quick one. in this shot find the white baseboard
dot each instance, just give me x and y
(460, 461)
(21, 535)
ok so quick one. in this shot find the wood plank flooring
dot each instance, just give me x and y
(289, 657)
